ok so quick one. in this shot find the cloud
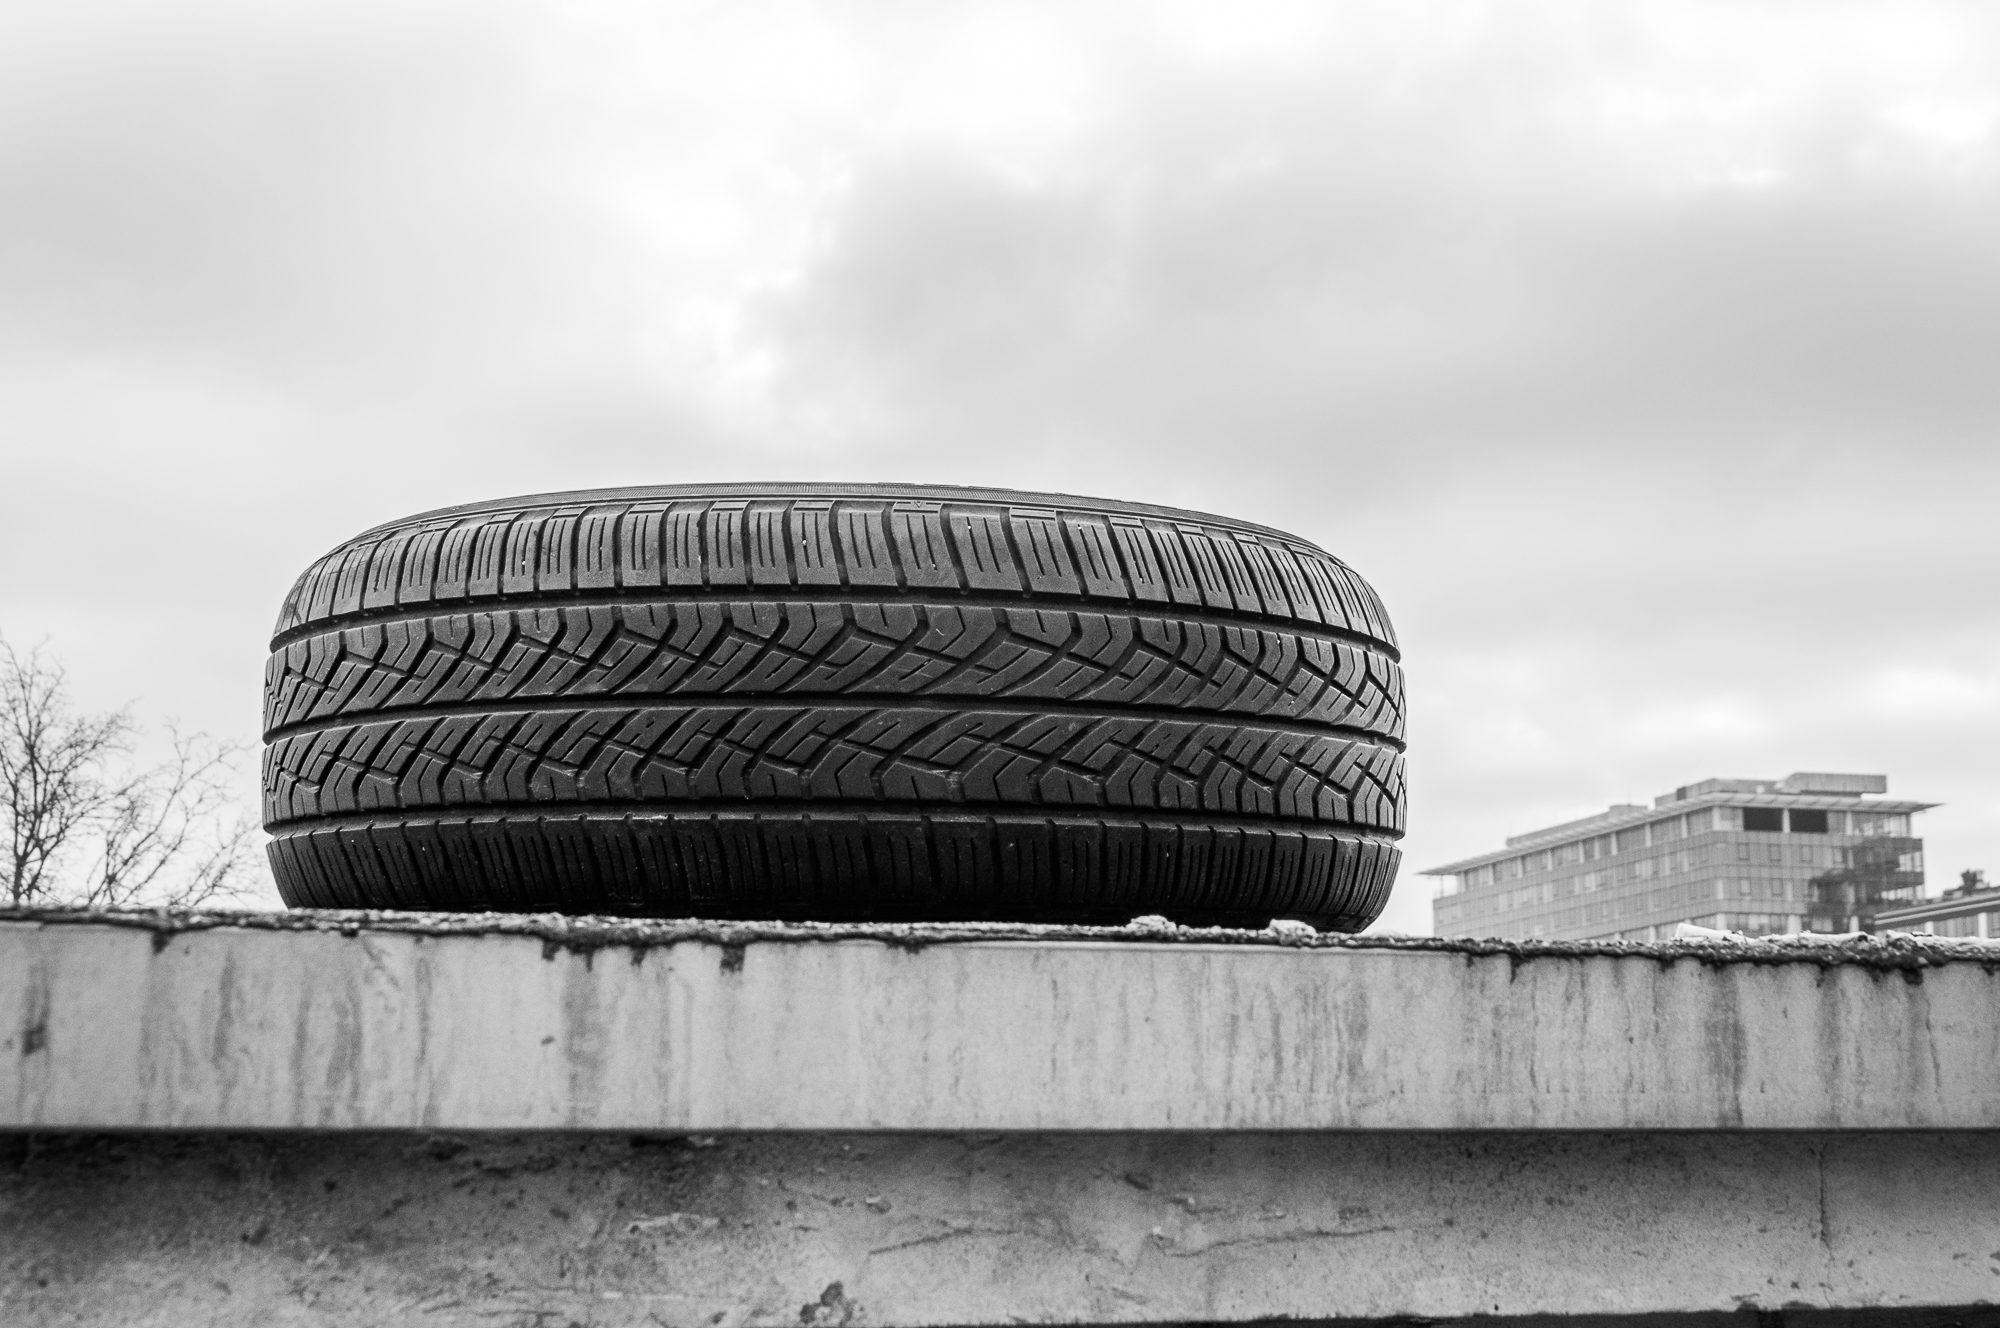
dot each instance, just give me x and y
(1639, 355)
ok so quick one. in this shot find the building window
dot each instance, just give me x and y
(1806, 856)
(1808, 822)
(1743, 853)
(1763, 818)
(1776, 854)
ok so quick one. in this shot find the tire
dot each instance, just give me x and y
(835, 702)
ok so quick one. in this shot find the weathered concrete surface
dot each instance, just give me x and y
(915, 1229)
(361, 1023)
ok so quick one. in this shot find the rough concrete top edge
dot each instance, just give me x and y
(1900, 950)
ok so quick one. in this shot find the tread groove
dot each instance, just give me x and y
(784, 811)
(731, 595)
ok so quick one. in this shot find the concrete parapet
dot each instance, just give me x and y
(353, 1022)
(333, 1119)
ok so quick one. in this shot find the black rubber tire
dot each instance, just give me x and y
(835, 702)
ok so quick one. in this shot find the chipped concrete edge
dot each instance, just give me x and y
(1897, 950)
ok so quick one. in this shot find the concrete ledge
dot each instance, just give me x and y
(369, 1022)
(875, 1231)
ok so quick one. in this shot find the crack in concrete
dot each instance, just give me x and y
(939, 1237)
(1278, 1238)
(1825, 1235)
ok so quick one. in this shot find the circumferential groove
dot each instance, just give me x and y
(937, 706)
(778, 814)
(1220, 618)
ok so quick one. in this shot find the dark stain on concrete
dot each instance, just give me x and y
(35, 1019)
(1727, 1055)
(833, 1308)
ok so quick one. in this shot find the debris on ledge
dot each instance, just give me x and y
(1897, 950)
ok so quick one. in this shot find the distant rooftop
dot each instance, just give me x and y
(1803, 782)
(1802, 788)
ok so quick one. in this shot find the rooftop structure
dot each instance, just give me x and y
(1972, 909)
(1812, 851)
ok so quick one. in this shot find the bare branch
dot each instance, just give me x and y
(166, 836)
(82, 827)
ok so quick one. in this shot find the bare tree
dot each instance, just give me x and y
(86, 826)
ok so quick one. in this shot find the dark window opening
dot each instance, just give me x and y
(1769, 818)
(1808, 823)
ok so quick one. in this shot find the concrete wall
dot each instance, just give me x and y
(391, 1025)
(557, 1229)
(536, 1122)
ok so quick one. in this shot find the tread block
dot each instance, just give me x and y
(521, 553)
(920, 545)
(682, 550)
(1044, 554)
(989, 563)
(1096, 556)
(597, 549)
(1176, 569)
(639, 534)
(724, 529)
(555, 568)
(813, 552)
(764, 545)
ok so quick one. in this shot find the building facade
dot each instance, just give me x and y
(1809, 852)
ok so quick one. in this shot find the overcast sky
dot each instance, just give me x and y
(1645, 357)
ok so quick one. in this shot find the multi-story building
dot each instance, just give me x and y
(1972, 909)
(1809, 852)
